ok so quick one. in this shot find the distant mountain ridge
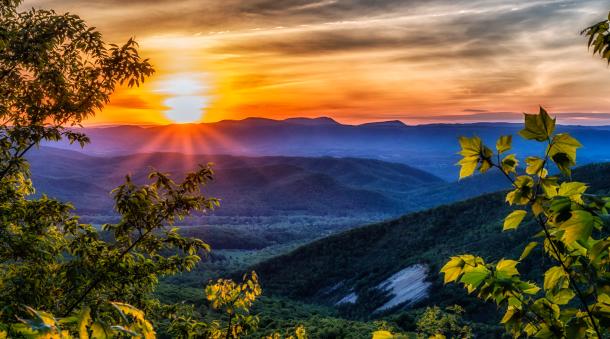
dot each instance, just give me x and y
(428, 147)
(253, 186)
(247, 185)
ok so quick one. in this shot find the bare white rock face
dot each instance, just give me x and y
(348, 299)
(406, 286)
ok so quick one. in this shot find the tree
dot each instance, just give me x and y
(55, 71)
(438, 322)
(574, 300)
(235, 301)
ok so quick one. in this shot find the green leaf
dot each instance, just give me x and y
(578, 227)
(562, 297)
(528, 288)
(504, 143)
(475, 276)
(513, 220)
(599, 250)
(538, 127)
(528, 249)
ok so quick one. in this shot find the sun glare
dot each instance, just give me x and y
(185, 100)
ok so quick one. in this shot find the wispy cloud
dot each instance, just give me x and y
(368, 60)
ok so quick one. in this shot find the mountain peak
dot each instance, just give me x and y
(320, 121)
(388, 123)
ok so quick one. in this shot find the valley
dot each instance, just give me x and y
(349, 239)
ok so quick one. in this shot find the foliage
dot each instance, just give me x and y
(235, 300)
(231, 302)
(599, 38)
(361, 258)
(81, 325)
(434, 322)
(573, 301)
(55, 71)
(299, 333)
(448, 322)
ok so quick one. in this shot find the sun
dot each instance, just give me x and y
(185, 102)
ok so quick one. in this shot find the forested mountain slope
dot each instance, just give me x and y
(348, 268)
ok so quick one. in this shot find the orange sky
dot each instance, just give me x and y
(356, 61)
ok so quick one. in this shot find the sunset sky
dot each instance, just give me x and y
(418, 61)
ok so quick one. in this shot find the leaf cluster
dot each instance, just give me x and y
(599, 38)
(573, 301)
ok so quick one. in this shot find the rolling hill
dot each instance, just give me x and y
(372, 269)
(427, 147)
(247, 186)
(265, 201)
(259, 186)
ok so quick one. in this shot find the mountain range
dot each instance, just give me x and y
(351, 270)
(428, 147)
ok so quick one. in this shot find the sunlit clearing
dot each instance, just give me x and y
(186, 102)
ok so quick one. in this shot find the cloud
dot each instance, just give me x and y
(562, 118)
(362, 59)
(130, 102)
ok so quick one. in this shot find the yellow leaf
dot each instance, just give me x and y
(470, 146)
(572, 190)
(510, 163)
(98, 331)
(578, 227)
(382, 335)
(507, 266)
(534, 165)
(513, 220)
(452, 269)
(510, 312)
(129, 310)
(527, 250)
(554, 276)
(468, 166)
(83, 322)
(504, 143)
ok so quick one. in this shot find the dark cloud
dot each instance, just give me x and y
(129, 101)
(474, 110)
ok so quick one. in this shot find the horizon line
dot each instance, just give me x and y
(452, 119)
